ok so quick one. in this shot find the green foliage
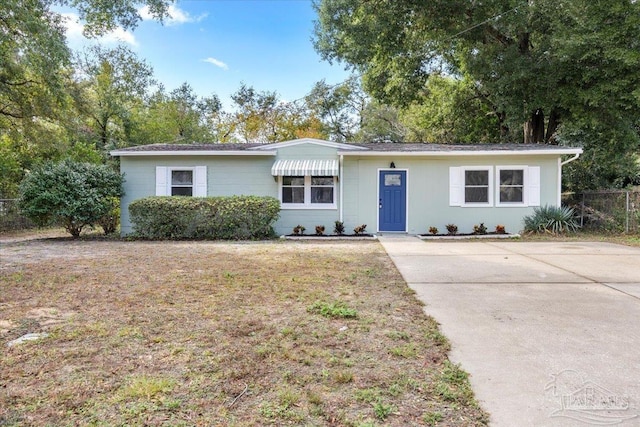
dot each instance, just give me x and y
(559, 68)
(226, 218)
(360, 229)
(551, 219)
(337, 309)
(298, 230)
(453, 384)
(70, 193)
(480, 229)
(450, 111)
(338, 228)
(382, 410)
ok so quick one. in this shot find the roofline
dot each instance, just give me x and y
(123, 153)
(559, 152)
(322, 142)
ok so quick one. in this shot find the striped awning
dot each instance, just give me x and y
(305, 167)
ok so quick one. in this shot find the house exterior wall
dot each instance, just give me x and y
(226, 176)
(309, 218)
(428, 186)
(428, 192)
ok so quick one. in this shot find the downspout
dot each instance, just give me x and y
(560, 165)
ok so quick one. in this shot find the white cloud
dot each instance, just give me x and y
(177, 16)
(75, 28)
(216, 62)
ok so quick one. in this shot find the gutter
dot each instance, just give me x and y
(575, 157)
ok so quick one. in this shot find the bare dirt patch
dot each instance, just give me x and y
(201, 333)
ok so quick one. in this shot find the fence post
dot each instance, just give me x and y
(582, 212)
(626, 216)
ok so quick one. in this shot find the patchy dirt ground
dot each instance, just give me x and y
(208, 333)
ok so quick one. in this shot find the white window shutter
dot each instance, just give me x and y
(162, 187)
(455, 186)
(533, 186)
(200, 189)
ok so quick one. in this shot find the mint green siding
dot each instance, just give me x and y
(356, 190)
(428, 192)
(226, 176)
(309, 218)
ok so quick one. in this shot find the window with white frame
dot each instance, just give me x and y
(511, 185)
(477, 186)
(307, 192)
(181, 182)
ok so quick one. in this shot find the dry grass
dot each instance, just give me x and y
(587, 236)
(200, 333)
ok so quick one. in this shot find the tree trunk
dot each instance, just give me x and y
(554, 122)
(534, 128)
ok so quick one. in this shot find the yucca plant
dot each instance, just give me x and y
(551, 219)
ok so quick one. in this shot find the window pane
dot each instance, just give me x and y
(511, 194)
(293, 180)
(393, 180)
(292, 194)
(321, 180)
(512, 177)
(181, 177)
(182, 191)
(476, 195)
(321, 194)
(476, 177)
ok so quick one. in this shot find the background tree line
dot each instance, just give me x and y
(436, 71)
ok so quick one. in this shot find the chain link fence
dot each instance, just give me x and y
(609, 210)
(11, 218)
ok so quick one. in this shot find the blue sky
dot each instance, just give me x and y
(215, 45)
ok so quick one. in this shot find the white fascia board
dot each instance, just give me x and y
(572, 151)
(117, 153)
(269, 147)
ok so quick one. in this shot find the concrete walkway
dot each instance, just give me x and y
(549, 331)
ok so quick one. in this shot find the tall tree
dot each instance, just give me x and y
(113, 81)
(542, 67)
(537, 62)
(262, 117)
(339, 107)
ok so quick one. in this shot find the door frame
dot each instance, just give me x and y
(377, 200)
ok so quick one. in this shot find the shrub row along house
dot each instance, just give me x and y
(391, 187)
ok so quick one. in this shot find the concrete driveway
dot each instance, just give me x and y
(550, 332)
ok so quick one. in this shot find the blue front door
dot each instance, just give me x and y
(392, 201)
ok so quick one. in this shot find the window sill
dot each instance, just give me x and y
(288, 206)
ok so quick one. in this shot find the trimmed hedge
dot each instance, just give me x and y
(218, 218)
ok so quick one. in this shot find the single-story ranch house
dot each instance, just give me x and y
(390, 187)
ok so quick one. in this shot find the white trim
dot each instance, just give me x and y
(269, 147)
(456, 186)
(525, 186)
(341, 184)
(457, 153)
(559, 190)
(490, 189)
(200, 181)
(122, 153)
(406, 188)
(161, 181)
(307, 197)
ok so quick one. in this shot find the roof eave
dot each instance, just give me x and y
(559, 152)
(123, 153)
